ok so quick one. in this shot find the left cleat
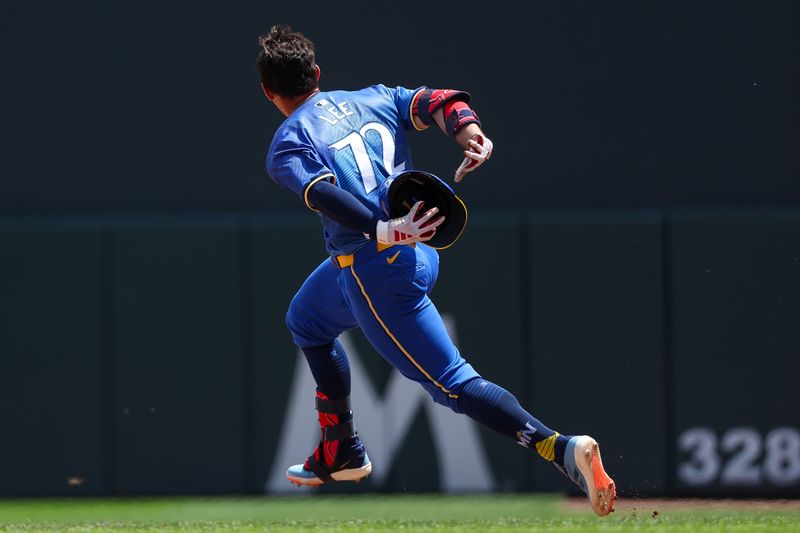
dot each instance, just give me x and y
(584, 466)
(319, 474)
(340, 455)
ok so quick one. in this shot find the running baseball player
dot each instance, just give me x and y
(335, 149)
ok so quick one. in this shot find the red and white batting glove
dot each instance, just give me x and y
(478, 151)
(409, 228)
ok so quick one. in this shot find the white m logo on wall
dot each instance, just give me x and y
(383, 423)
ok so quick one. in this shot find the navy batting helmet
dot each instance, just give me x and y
(401, 191)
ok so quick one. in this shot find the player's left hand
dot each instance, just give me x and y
(413, 227)
(479, 149)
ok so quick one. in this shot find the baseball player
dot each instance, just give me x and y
(335, 149)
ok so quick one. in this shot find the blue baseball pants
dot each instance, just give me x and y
(385, 293)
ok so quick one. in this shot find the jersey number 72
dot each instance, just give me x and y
(355, 140)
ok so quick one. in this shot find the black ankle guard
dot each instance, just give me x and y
(342, 431)
(334, 407)
(320, 470)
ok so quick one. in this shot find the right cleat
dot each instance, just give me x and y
(584, 466)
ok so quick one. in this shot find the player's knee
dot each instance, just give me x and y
(447, 398)
(304, 327)
(447, 388)
(294, 317)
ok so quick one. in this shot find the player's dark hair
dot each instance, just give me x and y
(286, 62)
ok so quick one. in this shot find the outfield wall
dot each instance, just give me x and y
(148, 355)
(118, 106)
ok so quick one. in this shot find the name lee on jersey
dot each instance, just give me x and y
(337, 111)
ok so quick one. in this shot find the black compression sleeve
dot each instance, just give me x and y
(342, 207)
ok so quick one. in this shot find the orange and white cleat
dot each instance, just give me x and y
(584, 466)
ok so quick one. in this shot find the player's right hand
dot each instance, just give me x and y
(412, 227)
(479, 149)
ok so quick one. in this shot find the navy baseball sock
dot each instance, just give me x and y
(499, 410)
(331, 370)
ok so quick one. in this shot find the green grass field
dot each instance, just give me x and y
(382, 513)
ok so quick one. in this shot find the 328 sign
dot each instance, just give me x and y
(739, 457)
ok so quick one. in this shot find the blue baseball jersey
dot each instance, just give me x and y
(354, 139)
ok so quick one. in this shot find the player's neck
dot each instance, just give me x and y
(290, 105)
